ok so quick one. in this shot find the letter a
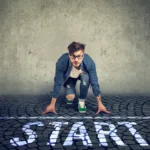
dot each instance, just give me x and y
(73, 135)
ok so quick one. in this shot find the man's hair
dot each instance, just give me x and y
(75, 46)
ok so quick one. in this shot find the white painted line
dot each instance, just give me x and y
(74, 117)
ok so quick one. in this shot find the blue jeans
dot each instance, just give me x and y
(84, 85)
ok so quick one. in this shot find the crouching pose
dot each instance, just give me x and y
(70, 67)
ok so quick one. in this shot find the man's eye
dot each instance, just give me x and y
(77, 56)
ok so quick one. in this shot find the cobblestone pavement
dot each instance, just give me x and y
(23, 127)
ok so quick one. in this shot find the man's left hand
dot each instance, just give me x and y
(102, 108)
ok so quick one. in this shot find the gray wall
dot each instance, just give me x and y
(34, 33)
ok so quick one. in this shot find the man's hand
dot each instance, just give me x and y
(49, 108)
(102, 108)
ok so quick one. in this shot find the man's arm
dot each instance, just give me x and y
(99, 100)
(96, 88)
(58, 81)
(94, 81)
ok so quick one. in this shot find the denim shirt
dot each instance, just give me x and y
(63, 69)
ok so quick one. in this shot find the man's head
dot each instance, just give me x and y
(76, 52)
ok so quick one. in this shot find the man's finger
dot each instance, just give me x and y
(55, 112)
(108, 112)
(98, 112)
(44, 112)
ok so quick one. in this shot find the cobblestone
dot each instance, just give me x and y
(39, 133)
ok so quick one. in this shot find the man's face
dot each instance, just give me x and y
(76, 58)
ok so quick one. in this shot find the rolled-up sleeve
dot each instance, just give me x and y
(94, 80)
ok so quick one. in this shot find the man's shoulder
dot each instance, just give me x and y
(88, 59)
(63, 57)
(62, 61)
(88, 62)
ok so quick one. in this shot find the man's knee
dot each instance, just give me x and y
(70, 96)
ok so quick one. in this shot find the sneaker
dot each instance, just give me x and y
(81, 109)
(69, 101)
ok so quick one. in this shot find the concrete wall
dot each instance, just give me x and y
(34, 33)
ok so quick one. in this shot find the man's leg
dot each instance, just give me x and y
(84, 86)
(70, 90)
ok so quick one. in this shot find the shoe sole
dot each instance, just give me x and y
(82, 111)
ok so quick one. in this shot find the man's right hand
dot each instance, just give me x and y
(49, 108)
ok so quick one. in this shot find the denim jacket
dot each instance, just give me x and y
(63, 69)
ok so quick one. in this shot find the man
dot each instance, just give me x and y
(70, 67)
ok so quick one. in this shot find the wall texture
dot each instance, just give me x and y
(34, 33)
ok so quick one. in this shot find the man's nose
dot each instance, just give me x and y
(76, 58)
